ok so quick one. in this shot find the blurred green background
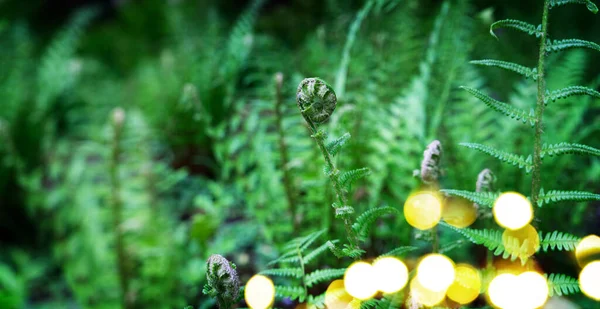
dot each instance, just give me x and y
(196, 163)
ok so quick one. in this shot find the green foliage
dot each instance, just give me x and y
(511, 158)
(503, 108)
(517, 68)
(559, 241)
(560, 285)
(486, 199)
(518, 25)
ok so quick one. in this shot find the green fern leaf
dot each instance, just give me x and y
(570, 91)
(283, 272)
(335, 145)
(560, 45)
(559, 284)
(518, 25)
(559, 241)
(481, 198)
(502, 107)
(399, 252)
(293, 292)
(557, 196)
(364, 221)
(568, 148)
(318, 251)
(339, 253)
(589, 4)
(517, 68)
(491, 239)
(347, 178)
(323, 275)
(503, 156)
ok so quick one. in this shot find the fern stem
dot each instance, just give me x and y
(117, 206)
(539, 109)
(287, 179)
(334, 176)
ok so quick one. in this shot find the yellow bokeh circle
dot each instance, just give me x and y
(512, 210)
(435, 272)
(466, 285)
(336, 296)
(459, 212)
(501, 290)
(391, 275)
(589, 280)
(259, 292)
(526, 240)
(423, 296)
(531, 290)
(359, 280)
(588, 250)
(423, 210)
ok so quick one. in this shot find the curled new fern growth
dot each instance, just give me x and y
(223, 282)
(430, 166)
(316, 99)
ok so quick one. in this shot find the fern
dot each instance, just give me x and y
(570, 91)
(554, 196)
(589, 4)
(400, 251)
(560, 45)
(323, 275)
(559, 284)
(503, 156)
(335, 145)
(482, 198)
(363, 222)
(568, 148)
(518, 25)
(501, 107)
(559, 241)
(347, 178)
(517, 68)
(291, 292)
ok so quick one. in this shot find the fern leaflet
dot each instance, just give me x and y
(570, 91)
(323, 275)
(347, 178)
(502, 107)
(400, 251)
(511, 66)
(518, 25)
(560, 45)
(557, 196)
(283, 272)
(293, 292)
(559, 284)
(559, 241)
(364, 221)
(481, 198)
(503, 156)
(589, 4)
(568, 148)
(335, 145)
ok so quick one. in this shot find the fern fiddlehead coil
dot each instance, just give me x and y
(430, 166)
(316, 99)
(223, 281)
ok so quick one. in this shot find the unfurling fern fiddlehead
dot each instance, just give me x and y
(223, 282)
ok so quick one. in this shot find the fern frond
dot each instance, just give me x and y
(570, 91)
(316, 252)
(400, 251)
(339, 253)
(323, 275)
(557, 196)
(293, 292)
(502, 107)
(559, 241)
(283, 272)
(559, 284)
(518, 25)
(335, 145)
(511, 66)
(589, 4)
(560, 45)
(364, 221)
(347, 178)
(491, 239)
(481, 198)
(568, 148)
(503, 156)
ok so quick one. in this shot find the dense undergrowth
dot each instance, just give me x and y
(123, 169)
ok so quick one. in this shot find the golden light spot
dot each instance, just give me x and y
(359, 280)
(336, 296)
(259, 292)
(523, 242)
(589, 280)
(466, 285)
(423, 210)
(435, 272)
(391, 275)
(459, 212)
(531, 290)
(500, 290)
(424, 296)
(588, 250)
(512, 211)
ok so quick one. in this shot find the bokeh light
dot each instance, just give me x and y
(435, 272)
(423, 210)
(588, 250)
(531, 290)
(527, 237)
(391, 275)
(425, 296)
(459, 212)
(589, 280)
(466, 285)
(500, 290)
(512, 210)
(336, 296)
(259, 292)
(359, 280)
